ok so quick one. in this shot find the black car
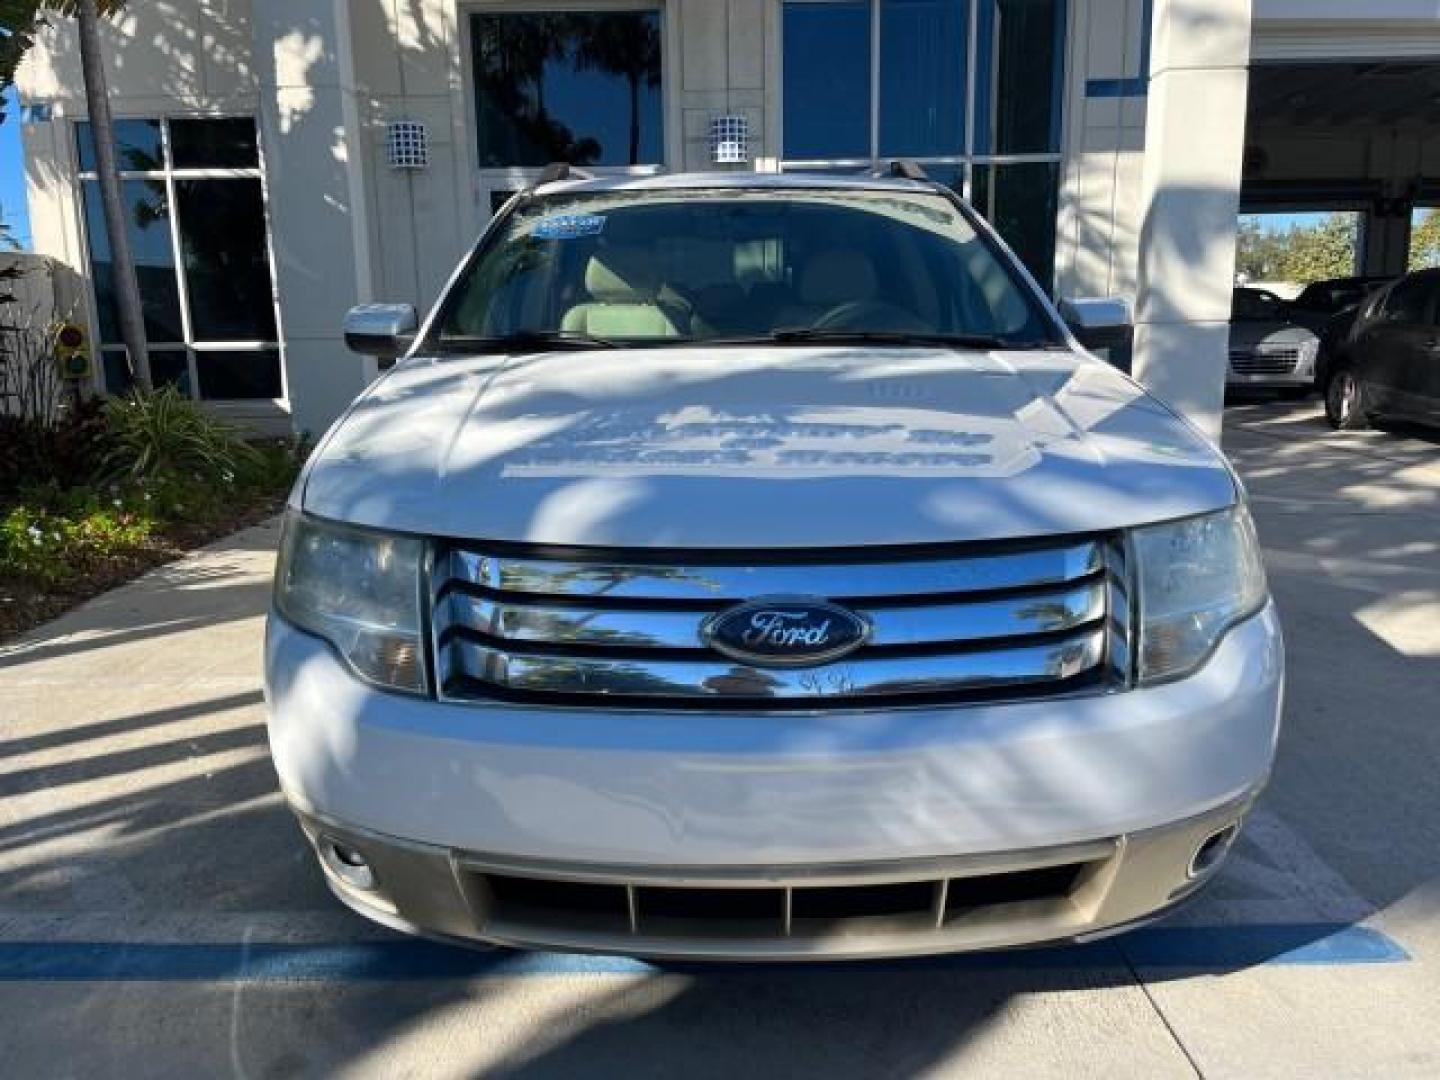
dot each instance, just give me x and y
(1320, 301)
(1388, 365)
(1330, 307)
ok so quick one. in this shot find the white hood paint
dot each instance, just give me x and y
(761, 448)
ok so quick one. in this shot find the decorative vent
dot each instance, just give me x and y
(729, 140)
(406, 145)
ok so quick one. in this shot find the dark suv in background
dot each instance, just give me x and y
(1387, 365)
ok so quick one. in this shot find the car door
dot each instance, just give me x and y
(1417, 382)
(1420, 380)
(1394, 340)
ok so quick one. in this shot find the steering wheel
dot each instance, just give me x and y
(869, 315)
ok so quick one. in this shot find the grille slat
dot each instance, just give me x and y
(698, 580)
(1269, 362)
(947, 624)
(880, 676)
(907, 623)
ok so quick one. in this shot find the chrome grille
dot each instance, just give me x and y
(1268, 362)
(624, 627)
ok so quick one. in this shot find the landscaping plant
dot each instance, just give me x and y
(160, 433)
(106, 489)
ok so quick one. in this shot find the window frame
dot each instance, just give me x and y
(168, 174)
(969, 159)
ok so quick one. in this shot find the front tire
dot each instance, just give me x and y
(1345, 401)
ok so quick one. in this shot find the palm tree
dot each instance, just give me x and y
(20, 20)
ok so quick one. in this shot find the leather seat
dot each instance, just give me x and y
(625, 299)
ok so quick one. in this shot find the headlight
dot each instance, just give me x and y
(1198, 578)
(360, 591)
(1309, 350)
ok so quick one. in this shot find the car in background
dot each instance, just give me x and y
(1388, 366)
(1268, 348)
(1317, 305)
(1330, 307)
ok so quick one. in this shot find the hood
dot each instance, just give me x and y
(761, 448)
(1249, 335)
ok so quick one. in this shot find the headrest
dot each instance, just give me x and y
(835, 277)
(619, 275)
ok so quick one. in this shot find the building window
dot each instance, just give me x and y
(971, 89)
(581, 87)
(195, 211)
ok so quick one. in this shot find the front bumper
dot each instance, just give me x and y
(440, 799)
(1295, 378)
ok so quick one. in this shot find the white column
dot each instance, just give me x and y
(316, 181)
(1190, 192)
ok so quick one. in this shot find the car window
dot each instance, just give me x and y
(697, 265)
(1408, 301)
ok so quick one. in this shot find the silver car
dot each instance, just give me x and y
(1268, 348)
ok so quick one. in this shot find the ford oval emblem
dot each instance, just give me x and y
(785, 631)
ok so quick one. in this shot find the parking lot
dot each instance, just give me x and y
(159, 916)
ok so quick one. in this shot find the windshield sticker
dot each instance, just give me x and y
(568, 226)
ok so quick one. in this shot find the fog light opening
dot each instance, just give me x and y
(346, 863)
(1212, 850)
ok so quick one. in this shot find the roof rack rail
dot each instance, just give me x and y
(905, 169)
(560, 170)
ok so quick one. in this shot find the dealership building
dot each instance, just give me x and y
(286, 159)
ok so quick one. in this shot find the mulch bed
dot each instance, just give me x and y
(24, 605)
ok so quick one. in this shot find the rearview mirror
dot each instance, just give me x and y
(1098, 322)
(383, 330)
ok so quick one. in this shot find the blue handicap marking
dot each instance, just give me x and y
(1231, 947)
(1199, 948)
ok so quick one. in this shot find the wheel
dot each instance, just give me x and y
(1345, 401)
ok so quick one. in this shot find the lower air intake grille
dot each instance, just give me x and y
(757, 913)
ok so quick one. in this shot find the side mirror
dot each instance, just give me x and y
(383, 330)
(1099, 322)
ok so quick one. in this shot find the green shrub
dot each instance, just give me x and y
(161, 433)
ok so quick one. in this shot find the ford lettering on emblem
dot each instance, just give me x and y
(785, 631)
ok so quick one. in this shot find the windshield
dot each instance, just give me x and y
(670, 267)
(1257, 305)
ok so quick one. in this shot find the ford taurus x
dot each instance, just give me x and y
(759, 566)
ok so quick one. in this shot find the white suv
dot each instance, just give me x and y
(757, 566)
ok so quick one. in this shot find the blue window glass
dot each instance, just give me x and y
(238, 375)
(137, 146)
(581, 87)
(147, 214)
(1021, 57)
(923, 52)
(827, 79)
(168, 367)
(222, 143)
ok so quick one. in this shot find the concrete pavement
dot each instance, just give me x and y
(159, 917)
